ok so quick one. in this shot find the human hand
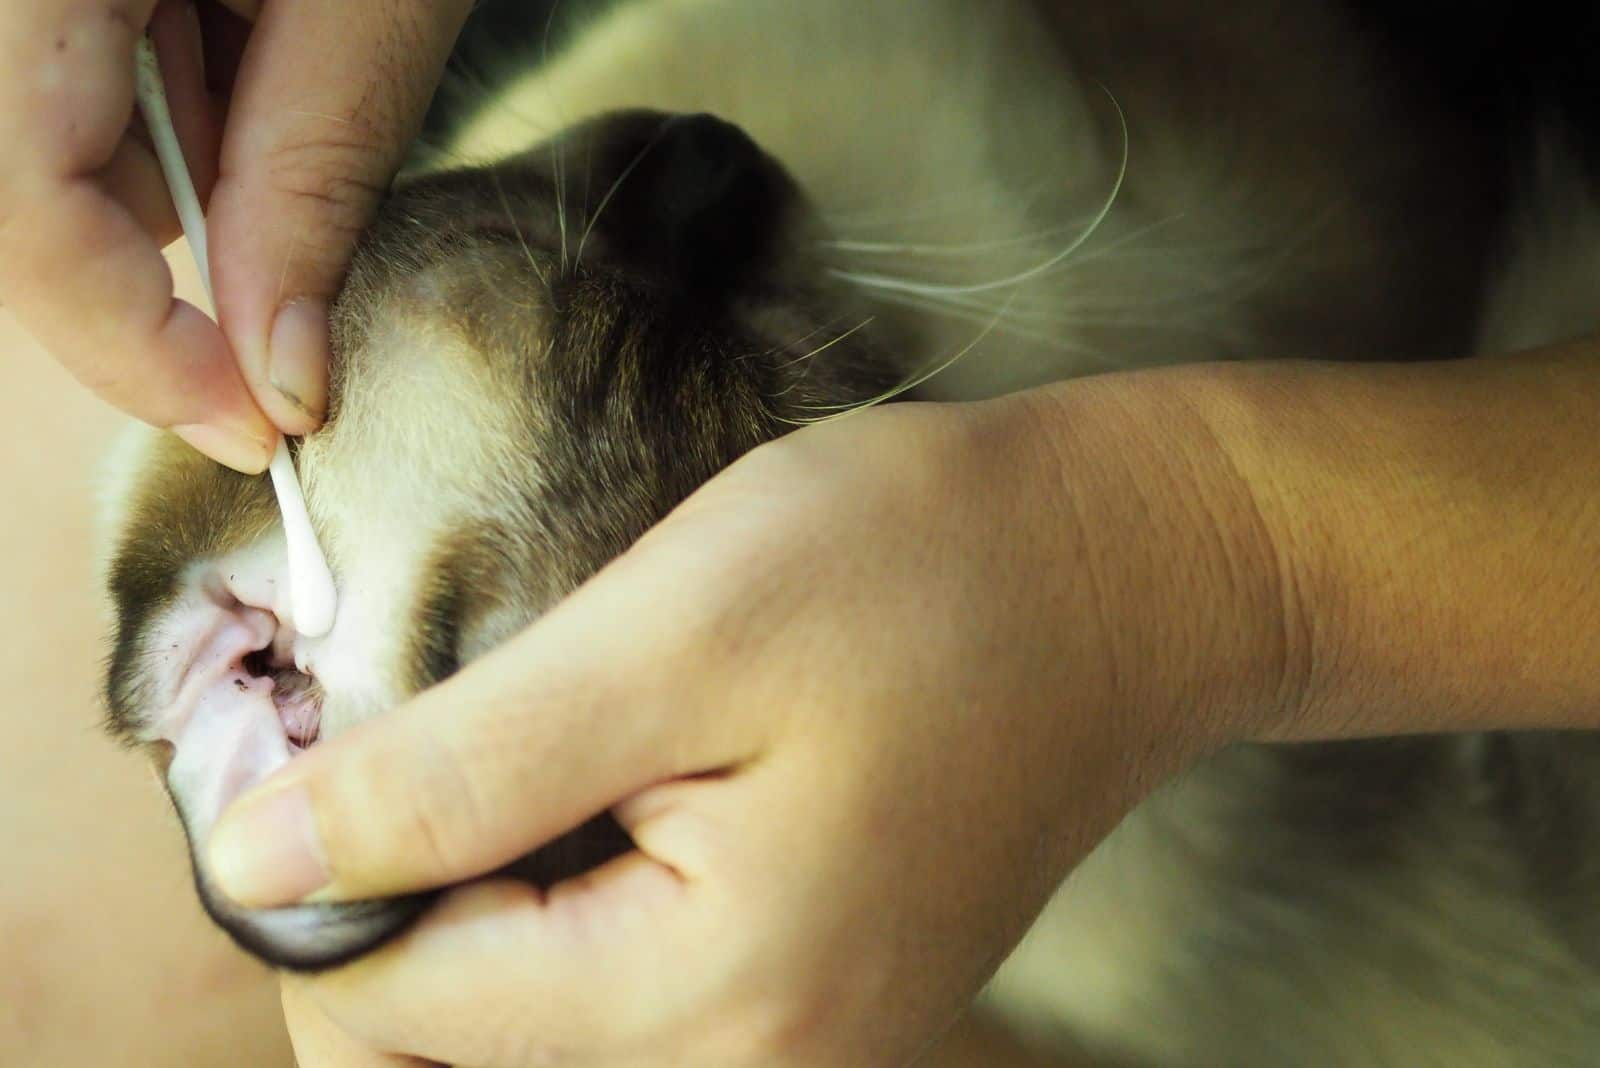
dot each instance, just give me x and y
(292, 126)
(861, 702)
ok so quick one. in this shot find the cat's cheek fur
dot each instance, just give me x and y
(236, 696)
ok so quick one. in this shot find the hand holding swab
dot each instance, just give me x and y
(313, 600)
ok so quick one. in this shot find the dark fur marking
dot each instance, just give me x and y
(185, 509)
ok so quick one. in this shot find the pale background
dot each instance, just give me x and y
(105, 956)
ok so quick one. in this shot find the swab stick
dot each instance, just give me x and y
(313, 602)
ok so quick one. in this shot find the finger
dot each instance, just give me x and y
(576, 714)
(98, 293)
(319, 1043)
(245, 9)
(133, 179)
(75, 265)
(68, 91)
(326, 104)
(498, 974)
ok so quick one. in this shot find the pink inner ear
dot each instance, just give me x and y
(240, 708)
(224, 725)
(231, 688)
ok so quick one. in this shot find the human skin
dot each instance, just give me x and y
(866, 698)
(291, 145)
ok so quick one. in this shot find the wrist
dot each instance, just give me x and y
(1433, 536)
(1156, 543)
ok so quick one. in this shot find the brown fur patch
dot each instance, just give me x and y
(185, 509)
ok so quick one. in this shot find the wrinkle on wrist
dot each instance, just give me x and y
(1203, 637)
(1435, 519)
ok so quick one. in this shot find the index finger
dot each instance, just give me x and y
(500, 973)
(75, 265)
(320, 1043)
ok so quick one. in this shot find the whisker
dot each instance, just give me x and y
(1026, 315)
(627, 172)
(588, 183)
(516, 227)
(878, 281)
(824, 348)
(952, 249)
(1008, 326)
(801, 340)
(558, 156)
(840, 411)
(873, 216)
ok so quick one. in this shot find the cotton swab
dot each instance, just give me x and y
(313, 601)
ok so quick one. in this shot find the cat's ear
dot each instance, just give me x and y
(694, 200)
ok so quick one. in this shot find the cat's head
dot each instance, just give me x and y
(533, 363)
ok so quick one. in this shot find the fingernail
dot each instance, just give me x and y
(232, 448)
(265, 852)
(297, 358)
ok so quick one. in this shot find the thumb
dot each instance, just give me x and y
(578, 713)
(327, 101)
(319, 1042)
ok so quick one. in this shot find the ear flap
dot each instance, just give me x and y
(695, 199)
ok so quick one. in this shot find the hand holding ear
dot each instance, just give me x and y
(861, 702)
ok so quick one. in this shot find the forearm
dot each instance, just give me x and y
(1391, 548)
(1441, 523)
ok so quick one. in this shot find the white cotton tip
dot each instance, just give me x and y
(313, 601)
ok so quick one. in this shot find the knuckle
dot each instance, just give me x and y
(335, 171)
(128, 16)
(449, 818)
(770, 1031)
(438, 821)
(100, 379)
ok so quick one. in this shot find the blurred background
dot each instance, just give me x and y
(105, 956)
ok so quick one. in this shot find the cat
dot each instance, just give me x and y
(704, 223)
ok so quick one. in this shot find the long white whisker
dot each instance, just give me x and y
(824, 348)
(840, 411)
(951, 249)
(516, 227)
(561, 201)
(1024, 306)
(557, 155)
(616, 186)
(1007, 326)
(874, 216)
(887, 282)
(807, 336)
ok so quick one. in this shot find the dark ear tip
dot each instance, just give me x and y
(719, 197)
(694, 200)
(704, 158)
(709, 136)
